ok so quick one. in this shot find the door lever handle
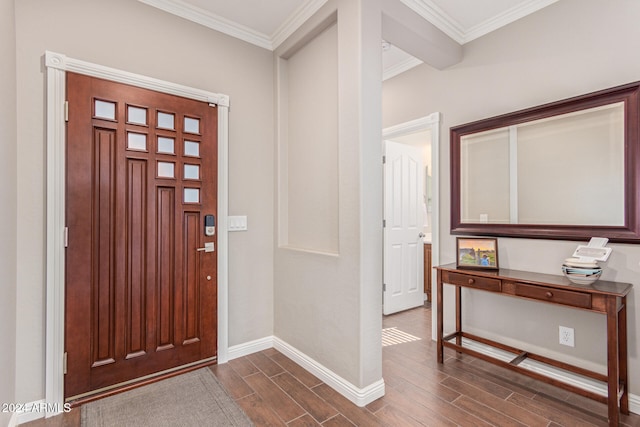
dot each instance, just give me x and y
(208, 247)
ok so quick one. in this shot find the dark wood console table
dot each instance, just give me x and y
(608, 298)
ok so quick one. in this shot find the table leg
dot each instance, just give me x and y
(458, 314)
(622, 355)
(439, 317)
(613, 373)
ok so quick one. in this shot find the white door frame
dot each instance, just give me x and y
(427, 123)
(56, 67)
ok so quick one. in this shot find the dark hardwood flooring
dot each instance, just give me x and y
(464, 391)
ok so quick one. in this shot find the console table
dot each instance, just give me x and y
(608, 298)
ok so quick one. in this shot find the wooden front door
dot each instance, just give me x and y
(141, 298)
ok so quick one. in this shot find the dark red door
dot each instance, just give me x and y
(141, 176)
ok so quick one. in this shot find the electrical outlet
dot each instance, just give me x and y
(567, 337)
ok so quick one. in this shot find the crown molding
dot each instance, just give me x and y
(425, 8)
(211, 20)
(505, 18)
(400, 67)
(215, 22)
(432, 13)
(295, 21)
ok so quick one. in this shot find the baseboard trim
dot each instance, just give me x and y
(359, 396)
(34, 411)
(13, 421)
(250, 347)
(634, 403)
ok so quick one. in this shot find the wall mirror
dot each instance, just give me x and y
(564, 170)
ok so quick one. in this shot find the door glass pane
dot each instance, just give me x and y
(166, 145)
(166, 120)
(105, 110)
(191, 172)
(192, 148)
(136, 115)
(166, 170)
(191, 125)
(191, 195)
(136, 141)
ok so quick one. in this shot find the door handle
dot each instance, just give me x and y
(208, 247)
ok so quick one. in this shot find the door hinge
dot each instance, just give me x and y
(384, 287)
(384, 159)
(384, 223)
(66, 237)
(64, 363)
(66, 111)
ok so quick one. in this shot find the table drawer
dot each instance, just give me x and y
(558, 296)
(485, 283)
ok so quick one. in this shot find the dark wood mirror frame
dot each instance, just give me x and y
(629, 94)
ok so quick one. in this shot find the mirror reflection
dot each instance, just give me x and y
(566, 169)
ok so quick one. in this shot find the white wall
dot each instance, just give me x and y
(328, 306)
(131, 36)
(8, 178)
(569, 48)
(311, 151)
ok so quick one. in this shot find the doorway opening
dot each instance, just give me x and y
(423, 133)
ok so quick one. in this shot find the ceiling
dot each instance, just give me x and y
(269, 23)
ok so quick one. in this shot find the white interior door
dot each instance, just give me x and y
(404, 221)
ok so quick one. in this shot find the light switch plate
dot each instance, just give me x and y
(237, 223)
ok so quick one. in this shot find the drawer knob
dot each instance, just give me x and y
(471, 281)
(549, 294)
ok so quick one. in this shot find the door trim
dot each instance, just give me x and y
(432, 123)
(56, 67)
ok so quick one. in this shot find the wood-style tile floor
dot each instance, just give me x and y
(464, 391)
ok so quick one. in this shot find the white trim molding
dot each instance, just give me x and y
(35, 410)
(634, 403)
(250, 347)
(55, 259)
(58, 61)
(211, 20)
(417, 125)
(358, 396)
(427, 9)
(56, 67)
(400, 67)
(294, 21)
(362, 397)
(27, 414)
(502, 19)
(218, 23)
(430, 11)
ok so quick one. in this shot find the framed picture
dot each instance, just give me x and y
(477, 252)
